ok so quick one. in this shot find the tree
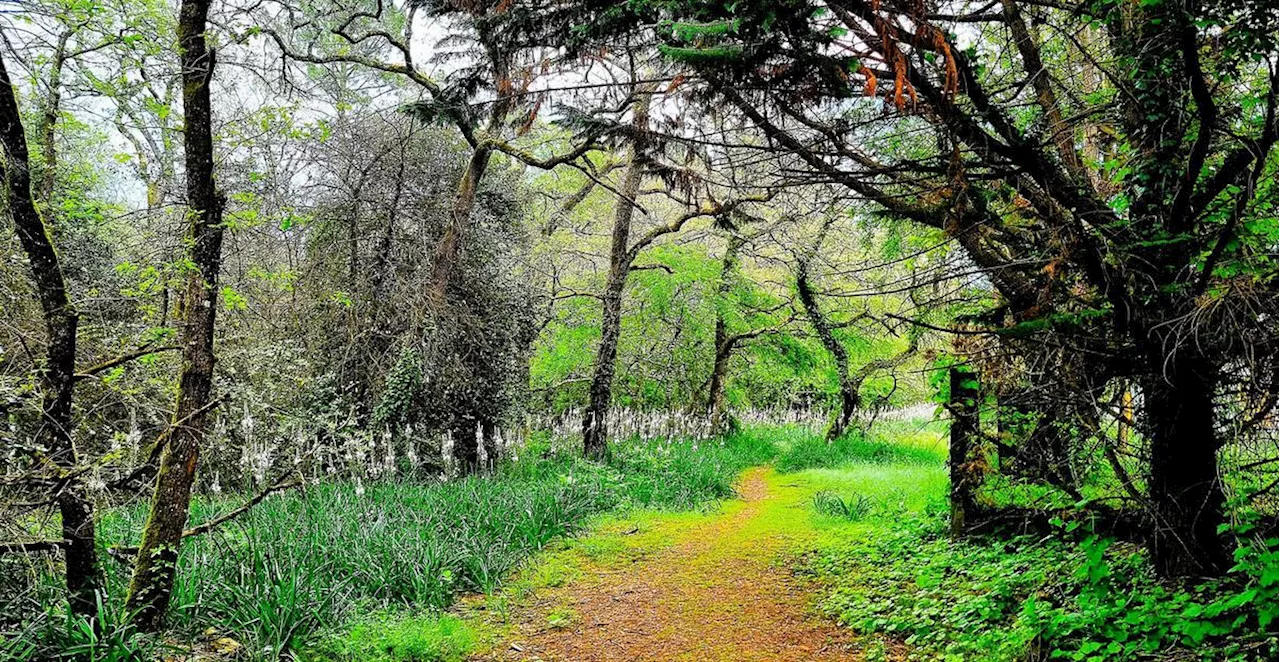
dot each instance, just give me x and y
(58, 375)
(507, 40)
(1147, 259)
(822, 327)
(153, 575)
(595, 431)
(725, 341)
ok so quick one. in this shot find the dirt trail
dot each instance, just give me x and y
(714, 594)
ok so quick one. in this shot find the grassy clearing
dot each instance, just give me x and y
(343, 573)
(890, 444)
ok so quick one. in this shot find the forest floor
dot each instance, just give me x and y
(673, 586)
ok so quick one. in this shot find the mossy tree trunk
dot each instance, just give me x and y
(153, 575)
(448, 252)
(824, 330)
(721, 421)
(963, 406)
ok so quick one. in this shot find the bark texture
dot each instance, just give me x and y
(57, 378)
(153, 575)
(595, 432)
(1185, 490)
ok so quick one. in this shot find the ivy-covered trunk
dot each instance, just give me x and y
(848, 390)
(466, 447)
(153, 574)
(57, 379)
(963, 407)
(1185, 490)
(464, 201)
(1172, 119)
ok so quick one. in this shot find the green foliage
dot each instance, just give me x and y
(400, 390)
(813, 451)
(687, 31)
(681, 474)
(308, 562)
(852, 508)
(1030, 598)
(709, 54)
(72, 637)
(394, 637)
(940, 597)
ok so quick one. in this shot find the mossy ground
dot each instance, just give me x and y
(720, 583)
(687, 586)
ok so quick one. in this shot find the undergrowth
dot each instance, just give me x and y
(303, 565)
(894, 575)
(340, 572)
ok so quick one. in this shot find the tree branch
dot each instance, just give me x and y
(123, 358)
(126, 553)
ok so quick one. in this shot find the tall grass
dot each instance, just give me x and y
(812, 452)
(330, 554)
(324, 558)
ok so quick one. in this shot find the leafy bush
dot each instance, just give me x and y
(1032, 599)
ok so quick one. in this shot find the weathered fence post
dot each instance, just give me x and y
(963, 406)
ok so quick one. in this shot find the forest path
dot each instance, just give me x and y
(692, 587)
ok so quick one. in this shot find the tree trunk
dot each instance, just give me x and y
(724, 343)
(595, 432)
(49, 119)
(447, 252)
(464, 201)
(1186, 493)
(848, 390)
(466, 447)
(721, 421)
(964, 427)
(489, 435)
(57, 379)
(153, 575)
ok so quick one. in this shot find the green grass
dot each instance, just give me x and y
(338, 573)
(893, 574)
(561, 617)
(394, 637)
(881, 448)
(303, 565)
